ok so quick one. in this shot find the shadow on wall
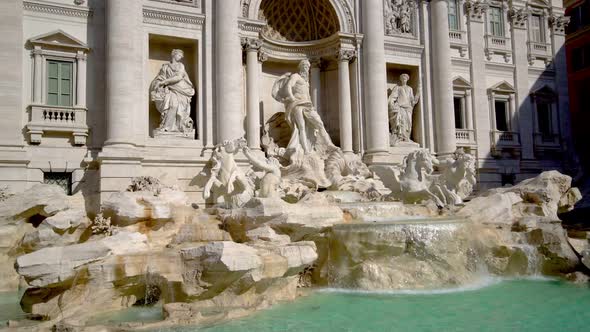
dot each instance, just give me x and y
(532, 134)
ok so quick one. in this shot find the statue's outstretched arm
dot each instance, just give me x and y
(264, 165)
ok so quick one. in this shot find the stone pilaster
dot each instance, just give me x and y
(476, 11)
(252, 47)
(344, 101)
(444, 115)
(38, 74)
(81, 79)
(558, 23)
(123, 70)
(523, 112)
(13, 159)
(228, 71)
(375, 80)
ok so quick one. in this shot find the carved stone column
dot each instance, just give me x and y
(81, 80)
(518, 20)
(444, 115)
(123, 69)
(375, 80)
(316, 83)
(344, 101)
(38, 73)
(228, 69)
(476, 11)
(252, 46)
(469, 109)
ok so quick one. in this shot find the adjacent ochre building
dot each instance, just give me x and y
(75, 108)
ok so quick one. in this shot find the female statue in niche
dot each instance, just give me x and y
(401, 104)
(171, 91)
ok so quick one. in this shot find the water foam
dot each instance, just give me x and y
(480, 283)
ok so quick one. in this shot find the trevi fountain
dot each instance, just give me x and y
(304, 220)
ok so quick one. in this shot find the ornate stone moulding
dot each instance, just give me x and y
(57, 9)
(172, 18)
(284, 50)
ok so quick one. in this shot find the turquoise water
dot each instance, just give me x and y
(10, 308)
(518, 305)
(515, 305)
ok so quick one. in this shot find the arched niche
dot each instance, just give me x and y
(251, 10)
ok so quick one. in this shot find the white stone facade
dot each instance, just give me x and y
(487, 57)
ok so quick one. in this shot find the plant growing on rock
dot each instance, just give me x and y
(102, 225)
(147, 183)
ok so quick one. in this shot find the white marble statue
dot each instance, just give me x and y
(308, 132)
(171, 91)
(270, 182)
(227, 180)
(401, 103)
(415, 181)
(398, 16)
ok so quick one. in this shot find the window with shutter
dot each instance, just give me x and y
(536, 27)
(59, 83)
(496, 22)
(453, 15)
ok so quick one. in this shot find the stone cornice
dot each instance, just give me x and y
(55, 9)
(251, 25)
(161, 17)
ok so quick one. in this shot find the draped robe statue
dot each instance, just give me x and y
(171, 91)
(401, 104)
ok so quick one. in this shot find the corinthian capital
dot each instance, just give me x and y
(251, 44)
(558, 23)
(346, 55)
(518, 17)
(476, 10)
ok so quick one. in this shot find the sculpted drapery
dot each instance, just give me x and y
(171, 91)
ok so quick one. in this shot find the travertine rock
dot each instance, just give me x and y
(42, 199)
(53, 266)
(125, 208)
(266, 233)
(223, 256)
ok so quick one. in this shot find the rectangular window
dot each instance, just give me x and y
(502, 121)
(537, 33)
(62, 179)
(544, 119)
(59, 83)
(496, 22)
(458, 105)
(453, 15)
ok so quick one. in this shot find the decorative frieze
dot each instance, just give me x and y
(56, 9)
(518, 17)
(476, 10)
(159, 17)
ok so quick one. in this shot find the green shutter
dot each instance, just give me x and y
(59, 83)
(453, 15)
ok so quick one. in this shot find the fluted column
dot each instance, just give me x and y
(123, 69)
(228, 71)
(316, 83)
(444, 115)
(38, 73)
(81, 80)
(375, 79)
(344, 101)
(252, 46)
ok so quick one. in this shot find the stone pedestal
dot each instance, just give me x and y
(165, 135)
(401, 150)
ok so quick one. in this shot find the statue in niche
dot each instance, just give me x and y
(172, 91)
(308, 132)
(401, 103)
(227, 179)
(398, 17)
